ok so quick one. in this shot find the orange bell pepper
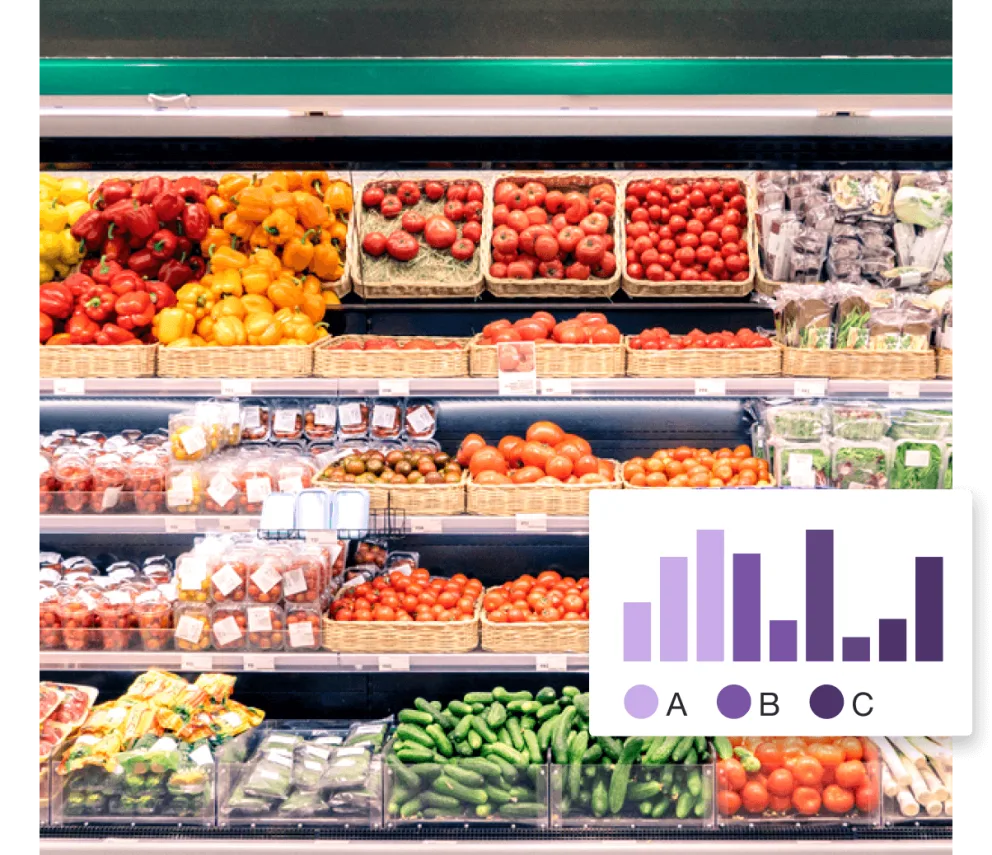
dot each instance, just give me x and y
(283, 200)
(326, 263)
(256, 278)
(312, 285)
(232, 184)
(285, 294)
(269, 260)
(226, 258)
(297, 254)
(254, 205)
(315, 182)
(310, 211)
(217, 208)
(338, 197)
(235, 224)
(215, 239)
(279, 224)
(336, 235)
(260, 238)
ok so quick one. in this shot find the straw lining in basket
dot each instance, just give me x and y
(563, 636)
(554, 500)
(78, 360)
(945, 363)
(555, 360)
(408, 636)
(703, 362)
(860, 364)
(328, 362)
(591, 287)
(245, 361)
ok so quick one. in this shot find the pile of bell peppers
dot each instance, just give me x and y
(62, 202)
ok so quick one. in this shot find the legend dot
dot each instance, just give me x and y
(826, 701)
(641, 701)
(733, 701)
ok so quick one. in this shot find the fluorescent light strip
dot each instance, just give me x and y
(911, 113)
(193, 112)
(575, 113)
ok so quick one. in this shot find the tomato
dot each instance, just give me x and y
(851, 774)
(830, 756)
(402, 245)
(440, 232)
(559, 467)
(866, 797)
(576, 207)
(608, 334)
(551, 269)
(433, 190)
(635, 271)
(769, 753)
(472, 231)
(728, 802)
(606, 267)
(852, 746)
(732, 217)
(730, 774)
(806, 800)
(517, 220)
(519, 270)
(584, 464)
(536, 454)
(595, 224)
(391, 206)
(807, 771)
(569, 237)
(545, 432)
(754, 797)
(526, 475)
(374, 243)
(549, 614)
(372, 196)
(837, 799)
(546, 247)
(535, 192)
(780, 782)
(578, 270)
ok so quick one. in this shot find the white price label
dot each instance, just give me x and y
(293, 484)
(301, 634)
(235, 388)
(394, 662)
(800, 470)
(324, 415)
(180, 491)
(221, 490)
(256, 489)
(259, 619)
(234, 523)
(294, 582)
(322, 537)
(196, 662)
(517, 367)
(420, 420)
(192, 573)
(557, 386)
(426, 525)
(350, 414)
(394, 388)
(266, 578)
(531, 522)
(69, 386)
(552, 662)
(201, 756)
(110, 497)
(384, 416)
(226, 631)
(121, 573)
(285, 421)
(251, 417)
(917, 458)
(226, 580)
(809, 388)
(193, 440)
(189, 629)
(711, 387)
(904, 389)
(260, 662)
(180, 525)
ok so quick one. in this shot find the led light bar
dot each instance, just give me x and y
(578, 112)
(192, 112)
(910, 113)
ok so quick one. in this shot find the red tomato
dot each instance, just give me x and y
(595, 224)
(577, 270)
(537, 454)
(402, 245)
(546, 247)
(440, 232)
(391, 206)
(487, 458)
(569, 237)
(374, 243)
(372, 196)
(559, 467)
(545, 432)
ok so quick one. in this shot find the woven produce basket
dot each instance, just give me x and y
(406, 288)
(534, 637)
(555, 360)
(727, 288)
(505, 500)
(97, 361)
(407, 636)
(591, 287)
(945, 363)
(436, 500)
(860, 364)
(328, 362)
(698, 362)
(247, 361)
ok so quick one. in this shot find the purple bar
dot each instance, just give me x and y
(856, 649)
(891, 640)
(929, 609)
(782, 640)
(674, 633)
(747, 608)
(709, 596)
(819, 595)
(637, 632)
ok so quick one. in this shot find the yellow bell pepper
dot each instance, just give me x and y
(283, 200)
(255, 303)
(53, 217)
(69, 250)
(225, 283)
(255, 279)
(311, 285)
(231, 184)
(238, 227)
(73, 189)
(215, 239)
(338, 197)
(48, 184)
(331, 299)
(187, 341)
(285, 295)
(172, 325)
(279, 224)
(229, 307)
(326, 263)
(297, 254)
(336, 235)
(226, 258)
(196, 299)
(217, 208)
(313, 307)
(254, 204)
(50, 247)
(263, 329)
(230, 332)
(61, 270)
(269, 260)
(260, 238)
(205, 327)
(46, 273)
(76, 209)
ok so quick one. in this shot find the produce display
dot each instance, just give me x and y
(698, 467)
(917, 777)
(687, 230)
(658, 338)
(545, 455)
(777, 778)
(62, 202)
(543, 232)
(63, 709)
(548, 598)
(408, 594)
(544, 328)
(389, 343)
(391, 466)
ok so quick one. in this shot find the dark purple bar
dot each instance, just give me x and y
(929, 609)
(856, 649)
(747, 608)
(637, 632)
(782, 640)
(892, 640)
(819, 595)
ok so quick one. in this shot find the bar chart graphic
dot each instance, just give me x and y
(782, 606)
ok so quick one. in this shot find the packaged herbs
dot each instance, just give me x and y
(916, 464)
(801, 464)
(858, 420)
(804, 316)
(795, 421)
(855, 304)
(860, 465)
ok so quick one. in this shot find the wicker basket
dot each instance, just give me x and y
(430, 289)
(505, 500)
(945, 363)
(407, 636)
(328, 362)
(859, 364)
(97, 361)
(248, 361)
(645, 288)
(698, 362)
(557, 287)
(555, 360)
(534, 637)
(436, 500)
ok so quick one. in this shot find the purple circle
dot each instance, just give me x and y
(640, 701)
(733, 701)
(826, 701)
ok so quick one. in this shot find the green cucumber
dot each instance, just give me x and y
(700, 744)
(522, 810)
(405, 777)
(474, 740)
(439, 800)
(692, 758)
(496, 715)
(533, 749)
(569, 692)
(440, 740)
(644, 808)
(415, 753)
(643, 790)
(593, 753)
(450, 787)
(459, 708)
(509, 754)
(581, 702)
(724, 749)
(611, 747)
(478, 709)
(661, 752)
(685, 744)
(559, 739)
(479, 726)
(411, 808)
(462, 728)
(468, 777)
(427, 772)
(547, 711)
(463, 749)
(414, 733)
(429, 708)
(482, 811)
(600, 799)
(528, 722)
(497, 795)
(575, 754)
(621, 773)
(684, 806)
(503, 737)
(501, 694)
(415, 717)
(661, 807)
(507, 770)
(486, 768)
(516, 734)
(546, 695)
(748, 760)
(544, 732)
(524, 707)
(478, 698)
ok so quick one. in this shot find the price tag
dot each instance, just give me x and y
(196, 662)
(904, 389)
(325, 415)
(394, 662)
(69, 386)
(301, 635)
(711, 387)
(260, 662)
(531, 522)
(917, 458)
(809, 388)
(517, 367)
(180, 525)
(426, 525)
(394, 388)
(235, 388)
(552, 662)
(322, 537)
(557, 386)
(234, 523)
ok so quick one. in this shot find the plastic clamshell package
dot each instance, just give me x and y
(278, 512)
(801, 464)
(860, 465)
(796, 421)
(916, 464)
(858, 420)
(351, 510)
(313, 510)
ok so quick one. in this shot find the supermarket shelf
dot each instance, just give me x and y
(313, 661)
(485, 386)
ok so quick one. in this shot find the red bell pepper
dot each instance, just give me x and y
(57, 299)
(47, 329)
(116, 216)
(106, 270)
(97, 303)
(175, 273)
(77, 283)
(135, 242)
(89, 265)
(116, 249)
(162, 244)
(81, 330)
(110, 191)
(168, 205)
(210, 185)
(135, 309)
(198, 266)
(162, 295)
(111, 334)
(143, 263)
(91, 227)
(184, 248)
(126, 280)
(190, 189)
(196, 221)
(141, 220)
(148, 189)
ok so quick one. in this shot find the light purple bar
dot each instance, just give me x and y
(782, 640)
(856, 648)
(709, 596)
(747, 608)
(637, 632)
(674, 634)
(819, 595)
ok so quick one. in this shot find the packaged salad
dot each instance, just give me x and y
(796, 421)
(947, 478)
(916, 464)
(860, 465)
(801, 464)
(858, 420)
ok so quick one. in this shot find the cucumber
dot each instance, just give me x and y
(524, 707)
(438, 800)
(496, 715)
(482, 811)
(694, 783)
(559, 739)
(533, 749)
(440, 813)
(478, 698)
(546, 695)
(468, 777)
(692, 758)
(581, 702)
(462, 728)
(699, 744)
(479, 726)
(724, 749)
(463, 749)
(684, 805)
(431, 710)
(661, 807)
(427, 772)
(611, 747)
(397, 799)
(519, 793)
(685, 744)
(440, 740)
(575, 754)
(414, 733)
(509, 754)
(415, 717)
(516, 734)
(411, 808)
(501, 694)
(497, 795)
(569, 692)
(644, 790)
(415, 753)
(600, 799)
(528, 722)
(405, 777)
(621, 773)
(544, 732)
(450, 787)
(503, 737)
(474, 740)
(593, 753)
(522, 810)
(459, 708)
(547, 711)
(484, 767)
(660, 752)
(478, 708)
(748, 760)
(507, 770)
(644, 808)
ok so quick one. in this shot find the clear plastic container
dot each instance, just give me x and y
(192, 578)
(147, 477)
(420, 419)
(801, 464)
(861, 465)
(110, 476)
(293, 472)
(221, 494)
(184, 489)
(320, 420)
(916, 464)
(153, 615)
(213, 420)
(859, 420)
(255, 418)
(48, 485)
(307, 574)
(115, 613)
(353, 419)
(50, 618)
(78, 615)
(386, 419)
(192, 627)
(188, 439)
(266, 627)
(228, 626)
(265, 577)
(74, 473)
(796, 421)
(229, 575)
(947, 473)
(303, 627)
(231, 418)
(254, 480)
(287, 420)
